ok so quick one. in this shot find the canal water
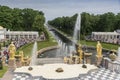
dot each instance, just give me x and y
(64, 50)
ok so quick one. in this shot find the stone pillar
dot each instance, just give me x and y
(18, 36)
(18, 60)
(105, 62)
(99, 60)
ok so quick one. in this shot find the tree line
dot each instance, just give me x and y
(25, 19)
(106, 22)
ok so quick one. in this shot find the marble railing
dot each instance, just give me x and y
(111, 65)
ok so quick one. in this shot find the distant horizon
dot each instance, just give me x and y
(59, 8)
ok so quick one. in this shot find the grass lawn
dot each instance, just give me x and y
(104, 45)
(2, 72)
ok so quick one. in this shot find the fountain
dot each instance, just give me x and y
(61, 44)
(76, 34)
(60, 50)
(34, 56)
(60, 70)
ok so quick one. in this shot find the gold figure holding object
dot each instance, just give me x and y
(12, 50)
(99, 49)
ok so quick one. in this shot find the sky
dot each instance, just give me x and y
(59, 8)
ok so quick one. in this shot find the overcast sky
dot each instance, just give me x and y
(56, 8)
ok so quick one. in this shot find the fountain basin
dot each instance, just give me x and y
(48, 70)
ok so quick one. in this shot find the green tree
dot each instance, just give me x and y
(17, 22)
(6, 17)
(38, 23)
(86, 24)
(117, 21)
(106, 22)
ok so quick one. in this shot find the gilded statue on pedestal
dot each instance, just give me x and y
(99, 49)
(12, 50)
(80, 51)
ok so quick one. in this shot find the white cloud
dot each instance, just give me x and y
(56, 8)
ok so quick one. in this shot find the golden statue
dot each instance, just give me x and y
(65, 59)
(99, 49)
(80, 51)
(12, 50)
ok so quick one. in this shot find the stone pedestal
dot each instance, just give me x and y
(3, 61)
(88, 58)
(11, 64)
(99, 60)
(106, 60)
(18, 61)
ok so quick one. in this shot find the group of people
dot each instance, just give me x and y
(4, 56)
(22, 41)
(114, 41)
